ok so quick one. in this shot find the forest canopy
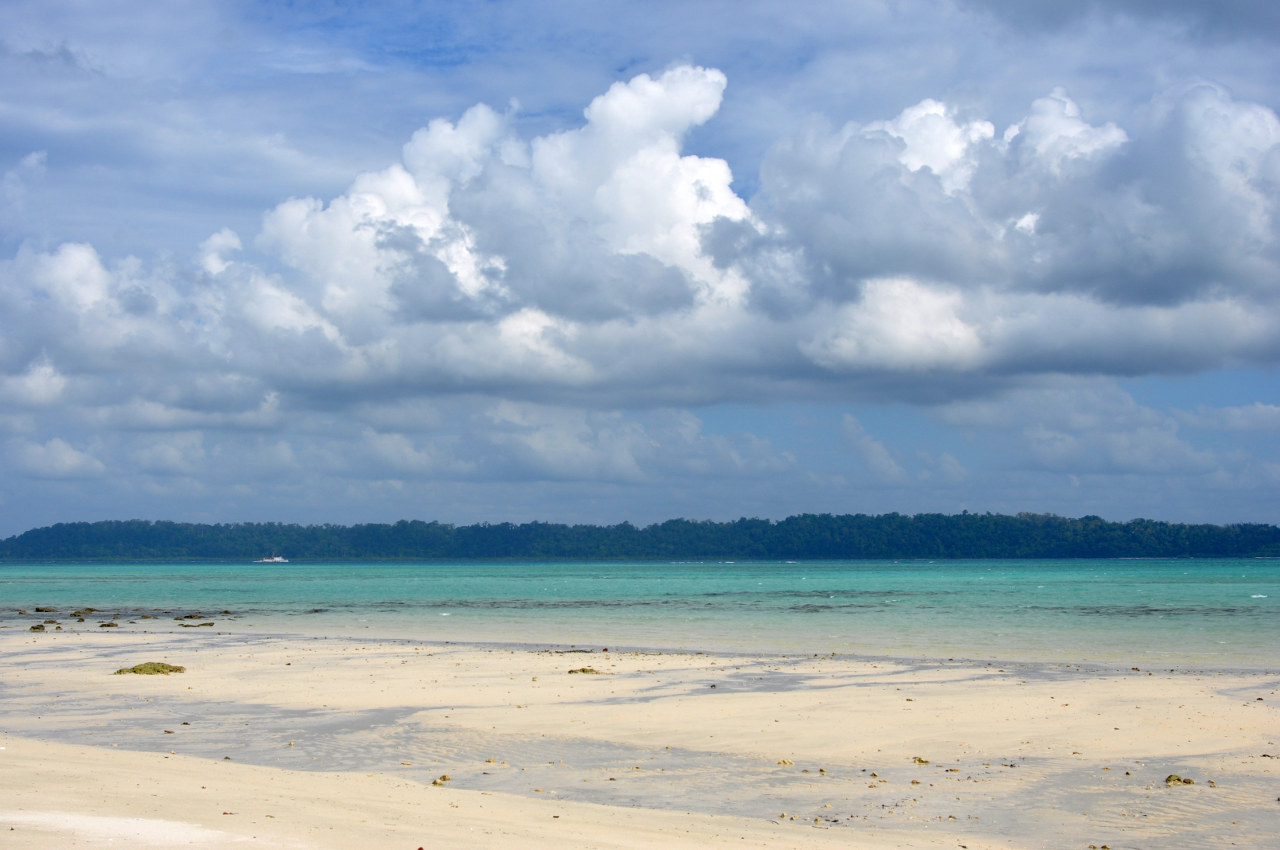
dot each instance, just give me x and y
(806, 536)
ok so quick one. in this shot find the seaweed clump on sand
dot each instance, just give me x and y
(152, 668)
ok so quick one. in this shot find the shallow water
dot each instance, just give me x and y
(1211, 613)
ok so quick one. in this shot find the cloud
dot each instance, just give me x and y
(213, 250)
(551, 443)
(1065, 247)
(1084, 426)
(897, 325)
(920, 256)
(1054, 136)
(55, 458)
(16, 187)
(878, 460)
(930, 137)
(1067, 404)
(1254, 417)
(501, 304)
(1233, 19)
(179, 453)
(206, 403)
(1147, 450)
(943, 470)
(41, 385)
(1181, 212)
(603, 266)
(566, 444)
(398, 456)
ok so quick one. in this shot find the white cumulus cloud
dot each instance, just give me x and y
(561, 302)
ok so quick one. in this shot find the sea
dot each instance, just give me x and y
(1149, 613)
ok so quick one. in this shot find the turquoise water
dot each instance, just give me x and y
(1207, 613)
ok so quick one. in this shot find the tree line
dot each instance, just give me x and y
(802, 537)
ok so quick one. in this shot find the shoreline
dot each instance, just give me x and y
(901, 750)
(923, 646)
(1106, 612)
(229, 626)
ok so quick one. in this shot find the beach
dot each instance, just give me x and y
(300, 740)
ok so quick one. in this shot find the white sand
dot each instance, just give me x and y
(63, 796)
(685, 749)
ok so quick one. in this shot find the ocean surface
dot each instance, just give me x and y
(1218, 614)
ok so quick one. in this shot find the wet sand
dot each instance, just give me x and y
(299, 741)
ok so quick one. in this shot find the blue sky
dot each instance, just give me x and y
(595, 262)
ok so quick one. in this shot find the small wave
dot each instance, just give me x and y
(1258, 596)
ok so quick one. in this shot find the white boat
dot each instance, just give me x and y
(274, 559)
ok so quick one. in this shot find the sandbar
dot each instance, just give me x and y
(285, 740)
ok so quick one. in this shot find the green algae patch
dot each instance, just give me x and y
(152, 668)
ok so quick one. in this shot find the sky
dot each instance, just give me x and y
(571, 261)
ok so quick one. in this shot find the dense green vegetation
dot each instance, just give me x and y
(808, 536)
